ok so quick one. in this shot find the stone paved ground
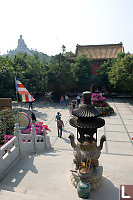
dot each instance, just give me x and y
(47, 175)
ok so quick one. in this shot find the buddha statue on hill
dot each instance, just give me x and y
(21, 43)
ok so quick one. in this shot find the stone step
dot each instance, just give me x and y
(15, 196)
(14, 193)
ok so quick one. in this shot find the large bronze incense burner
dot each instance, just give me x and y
(86, 152)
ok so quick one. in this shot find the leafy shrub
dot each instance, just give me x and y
(7, 122)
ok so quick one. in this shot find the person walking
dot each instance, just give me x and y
(66, 100)
(73, 103)
(33, 117)
(78, 100)
(57, 116)
(62, 100)
(60, 124)
(70, 109)
(30, 105)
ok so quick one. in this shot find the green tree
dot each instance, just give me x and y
(59, 77)
(81, 70)
(69, 54)
(7, 78)
(34, 75)
(121, 73)
(102, 79)
(30, 70)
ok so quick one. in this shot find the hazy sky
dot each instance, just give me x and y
(46, 25)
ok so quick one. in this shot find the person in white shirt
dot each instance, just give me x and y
(78, 100)
(66, 100)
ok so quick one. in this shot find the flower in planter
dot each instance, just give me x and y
(103, 105)
(38, 127)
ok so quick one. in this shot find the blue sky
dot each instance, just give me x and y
(46, 25)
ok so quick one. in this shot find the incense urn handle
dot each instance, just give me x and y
(93, 153)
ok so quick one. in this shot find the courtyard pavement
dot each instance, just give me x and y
(47, 175)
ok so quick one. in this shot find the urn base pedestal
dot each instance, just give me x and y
(94, 180)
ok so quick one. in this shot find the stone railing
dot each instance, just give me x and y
(12, 151)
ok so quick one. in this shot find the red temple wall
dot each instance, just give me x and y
(94, 69)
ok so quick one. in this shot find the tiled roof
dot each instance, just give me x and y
(100, 51)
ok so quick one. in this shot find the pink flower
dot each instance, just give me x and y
(38, 128)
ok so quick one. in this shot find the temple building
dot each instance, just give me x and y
(99, 53)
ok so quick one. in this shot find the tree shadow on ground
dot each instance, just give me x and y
(49, 152)
(66, 140)
(41, 115)
(16, 175)
(123, 100)
(22, 167)
(66, 131)
(37, 105)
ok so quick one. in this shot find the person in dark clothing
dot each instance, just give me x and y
(60, 124)
(30, 105)
(73, 103)
(57, 116)
(33, 117)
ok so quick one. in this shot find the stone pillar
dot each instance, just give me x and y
(1, 163)
(47, 140)
(17, 130)
(33, 132)
(44, 131)
(17, 133)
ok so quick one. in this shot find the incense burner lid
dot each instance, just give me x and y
(90, 123)
(86, 109)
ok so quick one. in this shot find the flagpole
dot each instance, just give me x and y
(17, 101)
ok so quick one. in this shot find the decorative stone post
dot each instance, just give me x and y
(17, 133)
(17, 130)
(44, 131)
(33, 132)
(46, 139)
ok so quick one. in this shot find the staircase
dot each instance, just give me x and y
(42, 176)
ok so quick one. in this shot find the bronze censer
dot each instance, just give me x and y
(87, 120)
